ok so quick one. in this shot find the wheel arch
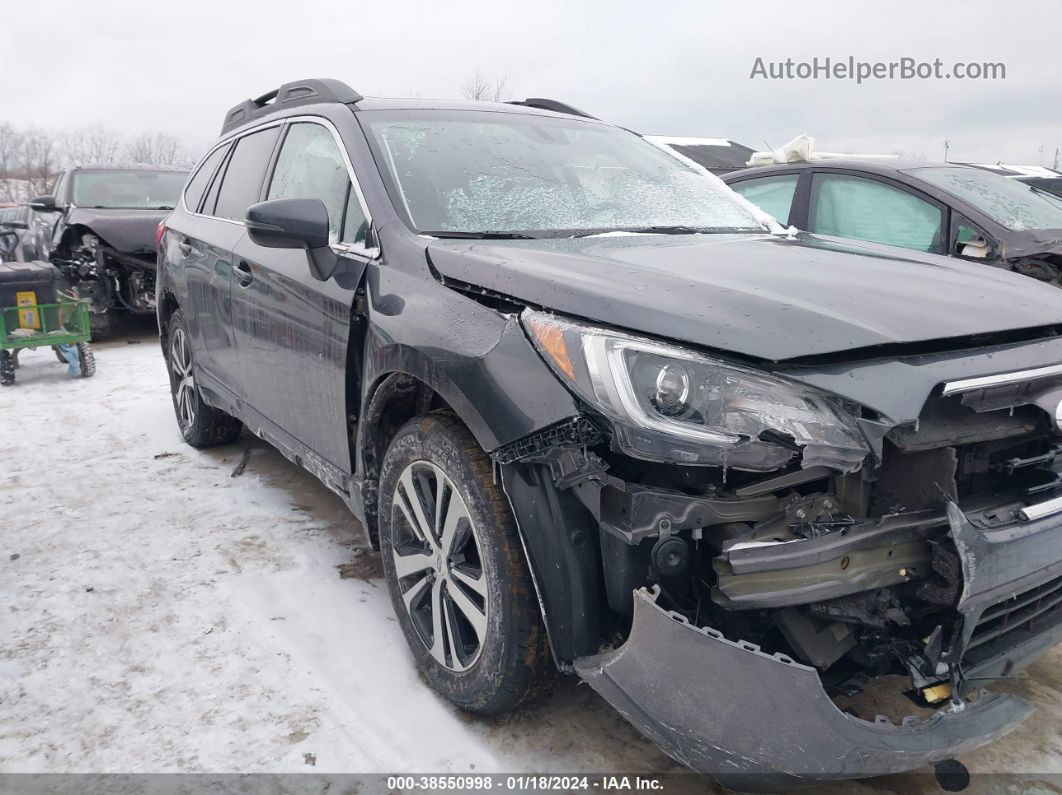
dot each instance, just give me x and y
(558, 538)
(166, 307)
(393, 399)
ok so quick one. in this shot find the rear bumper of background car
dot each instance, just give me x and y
(728, 709)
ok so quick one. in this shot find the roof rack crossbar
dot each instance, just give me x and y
(300, 92)
(551, 104)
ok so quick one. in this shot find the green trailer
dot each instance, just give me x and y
(62, 326)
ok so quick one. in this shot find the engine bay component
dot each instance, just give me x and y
(670, 556)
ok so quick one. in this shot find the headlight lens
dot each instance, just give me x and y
(671, 404)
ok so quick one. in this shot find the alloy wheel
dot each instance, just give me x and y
(438, 565)
(181, 362)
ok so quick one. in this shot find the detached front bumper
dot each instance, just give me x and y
(729, 710)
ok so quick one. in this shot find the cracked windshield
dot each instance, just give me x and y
(498, 174)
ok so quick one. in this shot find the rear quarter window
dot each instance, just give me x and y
(197, 185)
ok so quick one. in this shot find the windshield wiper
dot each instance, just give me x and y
(120, 207)
(654, 230)
(487, 235)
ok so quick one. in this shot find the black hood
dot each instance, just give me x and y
(128, 231)
(761, 296)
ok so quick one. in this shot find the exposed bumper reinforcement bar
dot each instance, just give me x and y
(729, 710)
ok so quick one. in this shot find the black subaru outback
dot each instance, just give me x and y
(596, 412)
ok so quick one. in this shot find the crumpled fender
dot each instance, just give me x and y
(759, 720)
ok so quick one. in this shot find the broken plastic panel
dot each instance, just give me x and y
(718, 727)
(674, 405)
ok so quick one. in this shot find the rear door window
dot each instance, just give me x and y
(193, 193)
(866, 209)
(242, 184)
(773, 195)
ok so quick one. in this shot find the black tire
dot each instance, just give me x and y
(59, 355)
(513, 655)
(201, 425)
(7, 368)
(86, 359)
(100, 324)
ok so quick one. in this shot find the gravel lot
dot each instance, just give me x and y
(159, 615)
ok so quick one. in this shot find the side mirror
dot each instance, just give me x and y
(294, 223)
(44, 204)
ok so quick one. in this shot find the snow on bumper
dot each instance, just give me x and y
(728, 709)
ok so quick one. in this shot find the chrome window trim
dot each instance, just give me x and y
(1001, 379)
(1031, 513)
(336, 245)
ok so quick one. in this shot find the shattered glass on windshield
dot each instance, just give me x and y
(538, 174)
(1010, 203)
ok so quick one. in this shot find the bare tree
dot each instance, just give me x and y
(37, 160)
(91, 145)
(30, 157)
(157, 149)
(10, 147)
(478, 87)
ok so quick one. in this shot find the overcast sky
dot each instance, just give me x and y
(677, 68)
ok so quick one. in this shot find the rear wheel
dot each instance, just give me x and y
(456, 569)
(201, 425)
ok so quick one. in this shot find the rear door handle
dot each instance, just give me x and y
(243, 273)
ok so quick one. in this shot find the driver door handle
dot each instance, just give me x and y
(244, 276)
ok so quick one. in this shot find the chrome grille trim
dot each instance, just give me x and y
(1001, 379)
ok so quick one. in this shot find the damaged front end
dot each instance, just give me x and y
(106, 277)
(793, 559)
(756, 719)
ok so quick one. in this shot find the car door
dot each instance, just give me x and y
(205, 241)
(291, 329)
(773, 194)
(876, 210)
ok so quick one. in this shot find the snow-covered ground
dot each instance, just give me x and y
(157, 614)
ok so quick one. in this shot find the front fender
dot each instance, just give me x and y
(476, 357)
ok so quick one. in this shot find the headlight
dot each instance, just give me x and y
(671, 404)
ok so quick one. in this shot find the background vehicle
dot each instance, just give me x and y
(588, 409)
(1050, 184)
(24, 246)
(102, 222)
(952, 209)
(1049, 179)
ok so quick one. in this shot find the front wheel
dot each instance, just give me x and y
(201, 425)
(455, 568)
